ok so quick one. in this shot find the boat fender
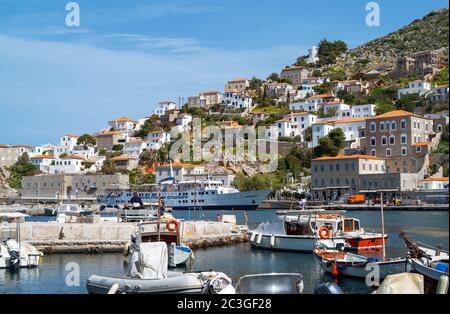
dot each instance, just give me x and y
(252, 237)
(324, 233)
(272, 240)
(258, 240)
(335, 271)
(442, 287)
(172, 225)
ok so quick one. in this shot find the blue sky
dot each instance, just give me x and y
(126, 56)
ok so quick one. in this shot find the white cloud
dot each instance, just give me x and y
(51, 88)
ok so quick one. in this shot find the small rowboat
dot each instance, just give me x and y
(352, 265)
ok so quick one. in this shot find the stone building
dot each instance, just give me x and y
(8, 155)
(296, 74)
(333, 178)
(419, 63)
(107, 140)
(73, 186)
(396, 136)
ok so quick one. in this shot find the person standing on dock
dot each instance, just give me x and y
(136, 201)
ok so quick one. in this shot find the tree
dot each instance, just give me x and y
(347, 97)
(117, 147)
(63, 155)
(109, 167)
(441, 78)
(307, 135)
(274, 77)
(330, 145)
(87, 140)
(338, 137)
(147, 158)
(21, 168)
(324, 88)
(407, 102)
(329, 51)
(383, 107)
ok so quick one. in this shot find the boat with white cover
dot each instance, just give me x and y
(148, 274)
(15, 253)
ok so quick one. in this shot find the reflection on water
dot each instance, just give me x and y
(237, 260)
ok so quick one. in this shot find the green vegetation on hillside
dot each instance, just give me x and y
(21, 168)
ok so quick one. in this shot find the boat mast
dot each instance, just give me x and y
(382, 227)
(195, 197)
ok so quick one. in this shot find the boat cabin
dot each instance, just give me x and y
(148, 232)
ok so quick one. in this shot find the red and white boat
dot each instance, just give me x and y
(348, 227)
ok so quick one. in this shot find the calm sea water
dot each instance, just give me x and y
(237, 260)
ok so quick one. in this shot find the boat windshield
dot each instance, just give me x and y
(271, 284)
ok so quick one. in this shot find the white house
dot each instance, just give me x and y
(304, 106)
(302, 119)
(321, 98)
(313, 54)
(69, 140)
(68, 164)
(122, 124)
(304, 91)
(282, 128)
(350, 127)
(363, 111)
(42, 162)
(416, 87)
(433, 183)
(156, 139)
(134, 147)
(50, 149)
(237, 101)
(83, 151)
(163, 107)
(279, 89)
(335, 106)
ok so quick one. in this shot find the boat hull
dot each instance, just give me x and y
(302, 244)
(362, 270)
(427, 272)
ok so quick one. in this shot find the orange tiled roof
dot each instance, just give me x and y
(348, 157)
(4, 146)
(122, 119)
(298, 113)
(239, 79)
(321, 96)
(339, 121)
(393, 114)
(107, 133)
(42, 157)
(422, 144)
(123, 158)
(73, 157)
(71, 135)
(444, 179)
(177, 165)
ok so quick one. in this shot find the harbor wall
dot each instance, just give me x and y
(52, 237)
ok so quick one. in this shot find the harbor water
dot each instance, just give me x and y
(59, 272)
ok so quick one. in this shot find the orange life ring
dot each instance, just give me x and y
(173, 223)
(325, 230)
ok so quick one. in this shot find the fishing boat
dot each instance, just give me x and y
(349, 264)
(353, 265)
(167, 230)
(14, 253)
(357, 238)
(431, 262)
(299, 232)
(148, 274)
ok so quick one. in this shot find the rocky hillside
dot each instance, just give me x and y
(429, 33)
(5, 190)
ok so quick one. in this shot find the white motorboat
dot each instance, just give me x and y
(352, 265)
(65, 212)
(148, 274)
(298, 233)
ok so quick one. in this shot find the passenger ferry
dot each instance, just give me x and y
(188, 195)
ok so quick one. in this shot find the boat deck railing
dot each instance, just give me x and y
(130, 215)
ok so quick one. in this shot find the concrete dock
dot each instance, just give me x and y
(102, 237)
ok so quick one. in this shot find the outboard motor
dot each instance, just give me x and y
(328, 288)
(14, 253)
